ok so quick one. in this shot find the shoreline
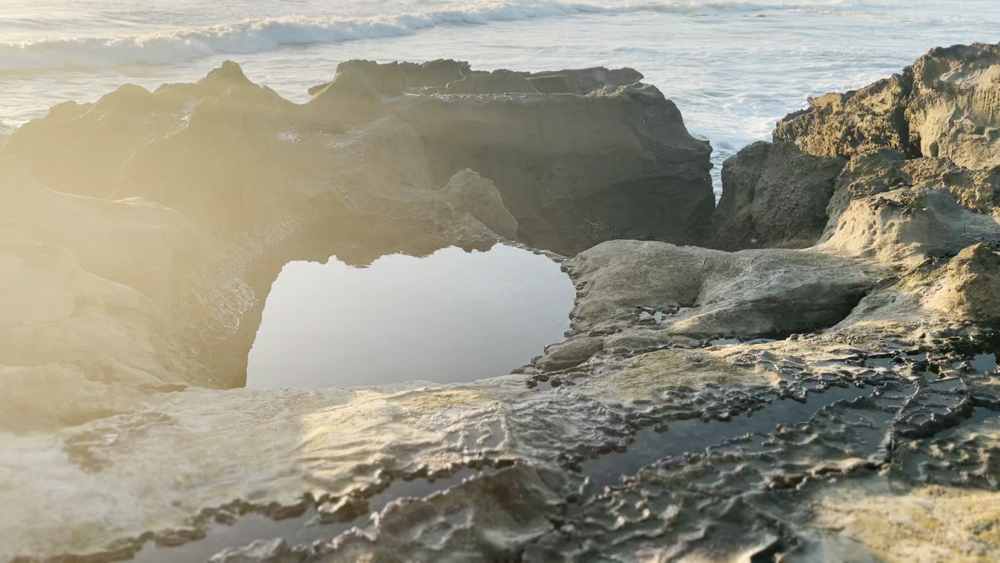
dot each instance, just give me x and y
(858, 253)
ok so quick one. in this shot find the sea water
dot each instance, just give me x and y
(733, 67)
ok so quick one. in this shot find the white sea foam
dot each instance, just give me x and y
(259, 35)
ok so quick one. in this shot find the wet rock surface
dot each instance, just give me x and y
(697, 470)
(835, 402)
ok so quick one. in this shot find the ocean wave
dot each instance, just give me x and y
(259, 35)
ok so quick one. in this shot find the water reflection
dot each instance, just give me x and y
(451, 316)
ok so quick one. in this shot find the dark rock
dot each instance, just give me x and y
(773, 196)
(630, 170)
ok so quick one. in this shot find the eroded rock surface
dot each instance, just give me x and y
(773, 195)
(856, 122)
(944, 106)
(234, 181)
(703, 293)
(835, 402)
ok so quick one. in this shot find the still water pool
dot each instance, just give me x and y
(451, 316)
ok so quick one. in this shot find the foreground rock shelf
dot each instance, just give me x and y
(828, 356)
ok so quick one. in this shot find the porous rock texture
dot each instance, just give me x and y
(858, 121)
(836, 402)
(944, 105)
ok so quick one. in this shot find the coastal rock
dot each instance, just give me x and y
(457, 77)
(153, 277)
(469, 192)
(885, 171)
(865, 175)
(570, 354)
(496, 82)
(582, 81)
(630, 170)
(197, 194)
(713, 293)
(953, 109)
(773, 196)
(133, 242)
(907, 227)
(87, 293)
(408, 76)
(878, 523)
(433, 74)
(944, 106)
(80, 148)
(856, 122)
(274, 551)
(970, 286)
(975, 189)
(906, 211)
(48, 397)
(76, 346)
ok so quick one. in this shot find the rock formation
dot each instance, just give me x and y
(773, 196)
(832, 401)
(245, 171)
(858, 121)
(942, 106)
(469, 192)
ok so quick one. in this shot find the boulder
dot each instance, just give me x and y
(886, 170)
(970, 286)
(863, 176)
(570, 353)
(976, 189)
(773, 196)
(708, 293)
(900, 211)
(907, 227)
(469, 192)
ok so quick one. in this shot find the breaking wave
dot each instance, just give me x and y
(259, 35)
